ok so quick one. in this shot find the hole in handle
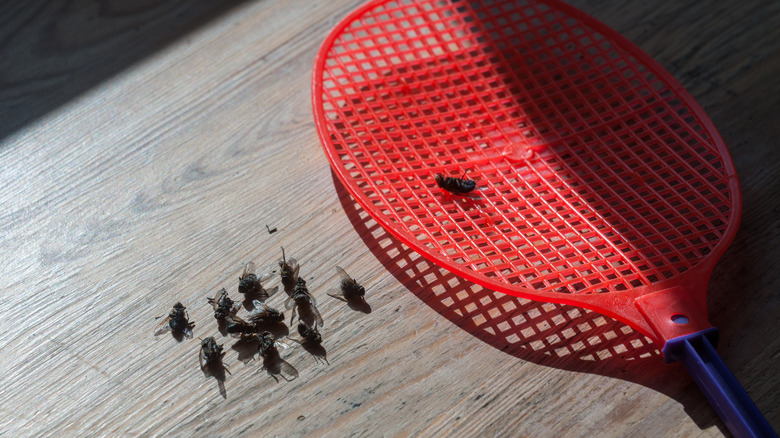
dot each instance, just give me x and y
(680, 319)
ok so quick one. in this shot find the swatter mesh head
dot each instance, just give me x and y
(598, 175)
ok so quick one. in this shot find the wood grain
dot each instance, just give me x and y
(144, 148)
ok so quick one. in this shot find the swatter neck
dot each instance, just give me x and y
(674, 312)
(662, 311)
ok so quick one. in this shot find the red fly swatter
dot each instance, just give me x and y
(604, 183)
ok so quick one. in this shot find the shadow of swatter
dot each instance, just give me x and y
(554, 335)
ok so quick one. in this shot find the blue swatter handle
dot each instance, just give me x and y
(727, 397)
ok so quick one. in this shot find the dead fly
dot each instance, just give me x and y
(458, 186)
(265, 314)
(211, 357)
(176, 322)
(272, 362)
(211, 362)
(311, 341)
(224, 307)
(349, 288)
(238, 328)
(289, 272)
(308, 334)
(267, 343)
(249, 283)
(304, 303)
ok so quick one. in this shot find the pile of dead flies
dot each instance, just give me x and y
(264, 325)
(261, 330)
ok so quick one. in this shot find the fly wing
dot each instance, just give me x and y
(295, 267)
(282, 344)
(221, 295)
(287, 371)
(259, 305)
(291, 263)
(289, 302)
(235, 319)
(270, 292)
(163, 327)
(260, 309)
(343, 274)
(318, 322)
(268, 308)
(296, 340)
(337, 294)
(202, 360)
(249, 268)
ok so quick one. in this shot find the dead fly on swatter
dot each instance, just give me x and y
(177, 322)
(349, 288)
(272, 362)
(249, 283)
(302, 302)
(224, 307)
(265, 314)
(289, 272)
(211, 357)
(458, 186)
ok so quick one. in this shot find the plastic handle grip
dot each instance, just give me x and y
(727, 397)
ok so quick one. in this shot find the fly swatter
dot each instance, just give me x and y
(603, 183)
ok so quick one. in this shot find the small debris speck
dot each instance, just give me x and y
(301, 418)
(270, 230)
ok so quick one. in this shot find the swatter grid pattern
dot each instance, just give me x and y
(528, 329)
(597, 176)
(543, 328)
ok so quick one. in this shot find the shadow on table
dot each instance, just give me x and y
(555, 335)
(53, 51)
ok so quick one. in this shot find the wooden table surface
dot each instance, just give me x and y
(145, 146)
